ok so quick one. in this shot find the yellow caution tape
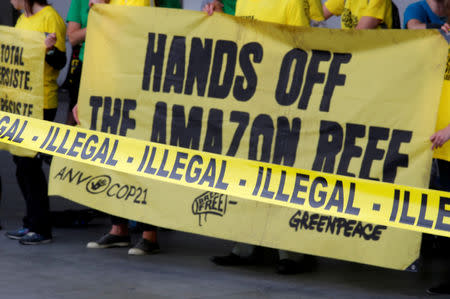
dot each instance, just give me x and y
(387, 204)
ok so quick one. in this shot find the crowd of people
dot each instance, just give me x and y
(38, 15)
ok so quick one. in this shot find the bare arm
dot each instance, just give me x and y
(415, 24)
(368, 23)
(326, 13)
(75, 33)
(212, 7)
(440, 137)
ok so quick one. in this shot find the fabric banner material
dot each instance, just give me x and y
(22, 54)
(341, 102)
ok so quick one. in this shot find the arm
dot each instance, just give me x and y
(75, 34)
(326, 13)
(214, 6)
(92, 2)
(440, 137)
(54, 57)
(415, 24)
(368, 23)
(75, 114)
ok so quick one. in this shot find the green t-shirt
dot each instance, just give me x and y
(78, 13)
(79, 10)
(168, 3)
(229, 7)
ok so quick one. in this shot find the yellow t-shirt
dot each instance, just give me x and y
(48, 21)
(316, 10)
(287, 12)
(132, 2)
(444, 113)
(352, 10)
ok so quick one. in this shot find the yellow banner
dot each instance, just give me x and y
(22, 59)
(300, 198)
(339, 102)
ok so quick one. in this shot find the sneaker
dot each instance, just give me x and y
(34, 239)
(17, 234)
(442, 289)
(144, 247)
(108, 241)
(232, 260)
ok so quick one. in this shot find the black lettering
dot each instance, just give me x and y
(298, 187)
(284, 97)
(76, 143)
(372, 152)
(216, 89)
(154, 59)
(198, 69)
(350, 209)
(422, 221)
(242, 118)
(183, 135)
(404, 217)
(350, 151)
(280, 195)
(95, 103)
(178, 165)
(313, 76)
(321, 194)
(213, 138)
(127, 122)
(286, 141)
(394, 159)
(239, 92)
(176, 65)
(110, 121)
(328, 149)
(443, 213)
(334, 79)
(262, 126)
(337, 197)
(159, 123)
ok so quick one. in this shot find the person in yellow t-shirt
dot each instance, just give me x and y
(123, 2)
(438, 140)
(440, 137)
(39, 16)
(286, 12)
(119, 236)
(360, 14)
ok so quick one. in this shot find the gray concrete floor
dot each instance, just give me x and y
(66, 269)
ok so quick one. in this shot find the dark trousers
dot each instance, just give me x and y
(33, 185)
(74, 84)
(444, 174)
(143, 226)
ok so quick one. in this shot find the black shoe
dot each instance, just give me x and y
(442, 289)
(144, 247)
(108, 241)
(289, 267)
(34, 239)
(17, 234)
(232, 260)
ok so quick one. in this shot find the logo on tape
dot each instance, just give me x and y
(98, 184)
(210, 203)
(103, 186)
